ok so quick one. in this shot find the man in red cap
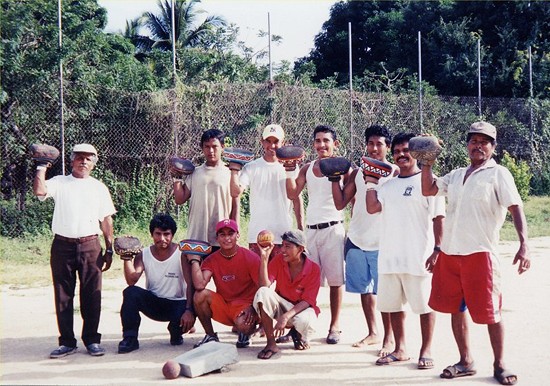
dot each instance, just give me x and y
(235, 272)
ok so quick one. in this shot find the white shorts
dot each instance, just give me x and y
(274, 305)
(326, 248)
(396, 289)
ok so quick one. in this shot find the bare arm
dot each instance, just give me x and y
(520, 223)
(234, 185)
(373, 205)
(295, 186)
(181, 192)
(298, 207)
(107, 228)
(133, 269)
(39, 183)
(282, 321)
(429, 187)
(187, 320)
(438, 235)
(342, 196)
(199, 278)
(263, 278)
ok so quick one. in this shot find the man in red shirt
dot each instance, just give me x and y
(293, 302)
(235, 273)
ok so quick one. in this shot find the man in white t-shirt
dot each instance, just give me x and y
(362, 244)
(410, 235)
(83, 209)
(168, 294)
(270, 208)
(207, 191)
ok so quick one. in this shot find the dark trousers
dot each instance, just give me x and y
(136, 300)
(67, 260)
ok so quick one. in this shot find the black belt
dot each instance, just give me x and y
(77, 240)
(323, 225)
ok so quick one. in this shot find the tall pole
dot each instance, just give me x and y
(174, 77)
(531, 95)
(350, 90)
(61, 102)
(420, 81)
(479, 77)
(269, 47)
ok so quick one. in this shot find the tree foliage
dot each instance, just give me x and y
(384, 44)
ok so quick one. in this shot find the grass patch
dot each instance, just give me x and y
(25, 261)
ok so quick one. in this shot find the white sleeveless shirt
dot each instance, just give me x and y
(320, 207)
(165, 278)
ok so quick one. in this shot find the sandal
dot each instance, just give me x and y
(299, 343)
(457, 370)
(503, 377)
(333, 337)
(266, 354)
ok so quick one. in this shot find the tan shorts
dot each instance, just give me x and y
(326, 248)
(396, 289)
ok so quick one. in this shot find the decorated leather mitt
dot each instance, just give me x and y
(44, 154)
(374, 168)
(238, 156)
(127, 247)
(334, 167)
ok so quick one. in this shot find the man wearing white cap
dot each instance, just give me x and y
(83, 209)
(269, 206)
(467, 274)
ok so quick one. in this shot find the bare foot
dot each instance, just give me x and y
(367, 340)
(386, 350)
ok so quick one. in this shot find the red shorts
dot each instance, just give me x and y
(226, 313)
(472, 282)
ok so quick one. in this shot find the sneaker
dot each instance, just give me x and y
(207, 338)
(95, 350)
(333, 337)
(243, 340)
(62, 351)
(128, 344)
(176, 340)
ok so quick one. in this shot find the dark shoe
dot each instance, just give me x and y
(243, 340)
(95, 350)
(176, 340)
(128, 344)
(62, 351)
(333, 337)
(207, 338)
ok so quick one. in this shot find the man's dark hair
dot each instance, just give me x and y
(401, 138)
(378, 131)
(325, 129)
(213, 133)
(163, 221)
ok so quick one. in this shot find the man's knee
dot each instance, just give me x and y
(131, 292)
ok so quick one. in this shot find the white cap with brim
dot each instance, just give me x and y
(273, 131)
(483, 128)
(84, 148)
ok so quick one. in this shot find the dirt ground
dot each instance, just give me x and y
(29, 333)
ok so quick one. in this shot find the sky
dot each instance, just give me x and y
(297, 21)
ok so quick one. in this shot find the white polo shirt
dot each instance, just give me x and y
(477, 208)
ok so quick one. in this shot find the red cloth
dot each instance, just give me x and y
(236, 279)
(304, 287)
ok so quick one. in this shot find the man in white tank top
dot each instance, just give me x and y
(362, 244)
(325, 231)
(168, 286)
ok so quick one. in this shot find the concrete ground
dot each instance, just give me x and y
(29, 333)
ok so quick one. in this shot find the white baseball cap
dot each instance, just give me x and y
(84, 148)
(273, 131)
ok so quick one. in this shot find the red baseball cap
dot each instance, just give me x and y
(227, 223)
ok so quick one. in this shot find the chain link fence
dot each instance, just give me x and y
(136, 133)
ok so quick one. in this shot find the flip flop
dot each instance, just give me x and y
(502, 376)
(457, 370)
(425, 363)
(299, 343)
(389, 359)
(266, 354)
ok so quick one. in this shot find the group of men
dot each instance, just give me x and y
(398, 247)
